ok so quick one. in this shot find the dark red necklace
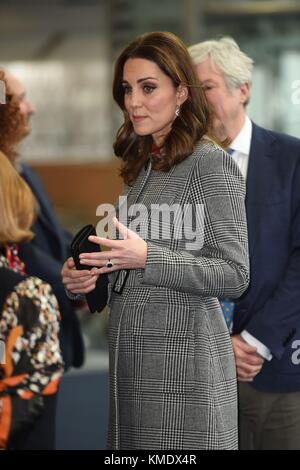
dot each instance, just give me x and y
(155, 150)
(13, 260)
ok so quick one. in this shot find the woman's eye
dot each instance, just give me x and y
(149, 88)
(126, 89)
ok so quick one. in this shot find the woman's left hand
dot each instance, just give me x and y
(129, 253)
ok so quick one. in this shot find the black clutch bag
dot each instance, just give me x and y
(97, 298)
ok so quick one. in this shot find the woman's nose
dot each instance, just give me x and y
(135, 99)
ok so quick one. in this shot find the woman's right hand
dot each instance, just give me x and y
(78, 281)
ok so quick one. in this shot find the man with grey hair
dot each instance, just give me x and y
(266, 319)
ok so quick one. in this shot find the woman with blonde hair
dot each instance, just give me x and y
(31, 363)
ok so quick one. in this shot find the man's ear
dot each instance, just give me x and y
(245, 92)
(182, 94)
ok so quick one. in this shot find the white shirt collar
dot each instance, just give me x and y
(242, 142)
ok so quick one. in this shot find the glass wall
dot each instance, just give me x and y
(72, 122)
(269, 31)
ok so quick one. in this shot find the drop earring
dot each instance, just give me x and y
(177, 111)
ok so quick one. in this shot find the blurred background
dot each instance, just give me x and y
(63, 51)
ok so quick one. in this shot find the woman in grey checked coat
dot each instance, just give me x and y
(172, 371)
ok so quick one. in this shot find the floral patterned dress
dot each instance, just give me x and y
(30, 358)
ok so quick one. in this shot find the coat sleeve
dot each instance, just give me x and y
(221, 267)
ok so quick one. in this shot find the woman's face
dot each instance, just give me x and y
(150, 98)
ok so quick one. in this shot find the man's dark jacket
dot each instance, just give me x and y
(270, 308)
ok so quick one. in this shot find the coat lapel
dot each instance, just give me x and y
(162, 180)
(258, 180)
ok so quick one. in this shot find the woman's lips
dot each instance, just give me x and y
(138, 118)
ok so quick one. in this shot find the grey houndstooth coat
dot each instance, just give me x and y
(172, 370)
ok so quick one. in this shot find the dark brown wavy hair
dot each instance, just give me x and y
(170, 54)
(11, 123)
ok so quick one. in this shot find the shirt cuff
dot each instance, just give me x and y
(261, 348)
